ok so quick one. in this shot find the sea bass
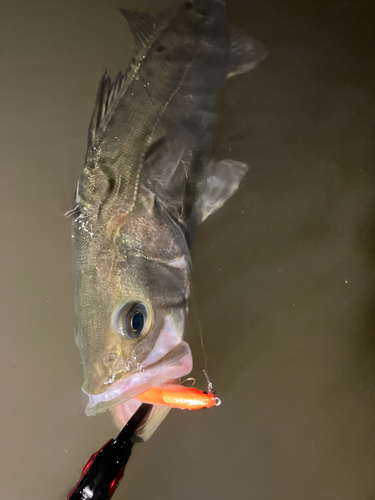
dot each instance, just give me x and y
(147, 182)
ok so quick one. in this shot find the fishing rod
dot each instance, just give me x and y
(105, 468)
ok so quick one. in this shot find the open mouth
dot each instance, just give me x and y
(173, 365)
(169, 360)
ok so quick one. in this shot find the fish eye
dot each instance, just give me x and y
(133, 320)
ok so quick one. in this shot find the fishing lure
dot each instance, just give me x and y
(180, 397)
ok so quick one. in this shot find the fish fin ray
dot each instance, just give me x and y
(144, 27)
(105, 97)
(220, 183)
(245, 53)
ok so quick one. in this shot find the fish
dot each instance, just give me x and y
(147, 182)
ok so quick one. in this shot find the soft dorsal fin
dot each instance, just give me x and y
(106, 95)
(245, 53)
(144, 27)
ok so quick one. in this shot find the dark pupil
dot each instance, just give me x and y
(137, 322)
(132, 320)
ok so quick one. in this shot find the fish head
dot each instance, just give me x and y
(131, 305)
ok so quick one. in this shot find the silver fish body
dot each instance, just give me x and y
(145, 185)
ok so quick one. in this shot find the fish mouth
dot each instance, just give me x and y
(170, 359)
(174, 365)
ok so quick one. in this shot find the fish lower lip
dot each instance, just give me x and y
(175, 364)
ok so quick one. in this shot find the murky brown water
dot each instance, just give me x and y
(284, 275)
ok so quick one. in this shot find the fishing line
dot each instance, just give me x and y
(210, 387)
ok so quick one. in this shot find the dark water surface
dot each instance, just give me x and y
(284, 275)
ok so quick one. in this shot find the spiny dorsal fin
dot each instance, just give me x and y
(106, 95)
(144, 27)
(245, 53)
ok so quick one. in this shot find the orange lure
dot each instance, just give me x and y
(179, 396)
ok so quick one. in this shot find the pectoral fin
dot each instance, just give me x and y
(245, 53)
(221, 182)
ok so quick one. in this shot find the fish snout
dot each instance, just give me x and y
(100, 374)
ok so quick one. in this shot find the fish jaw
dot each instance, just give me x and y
(177, 363)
